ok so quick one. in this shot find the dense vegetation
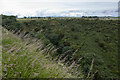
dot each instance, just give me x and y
(21, 59)
(91, 43)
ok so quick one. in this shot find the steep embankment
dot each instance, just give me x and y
(21, 60)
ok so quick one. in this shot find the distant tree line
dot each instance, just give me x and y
(90, 17)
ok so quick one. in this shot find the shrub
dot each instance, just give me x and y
(53, 37)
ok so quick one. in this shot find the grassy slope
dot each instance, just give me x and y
(94, 38)
(21, 60)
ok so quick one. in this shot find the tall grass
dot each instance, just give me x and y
(26, 58)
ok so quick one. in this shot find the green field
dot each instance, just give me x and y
(89, 43)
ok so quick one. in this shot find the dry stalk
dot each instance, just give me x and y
(11, 49)
(91, 67)
(75, 51)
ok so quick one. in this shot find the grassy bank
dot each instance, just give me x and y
(21, 60)
(90, 43)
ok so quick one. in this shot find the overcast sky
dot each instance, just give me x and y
(58, 7)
